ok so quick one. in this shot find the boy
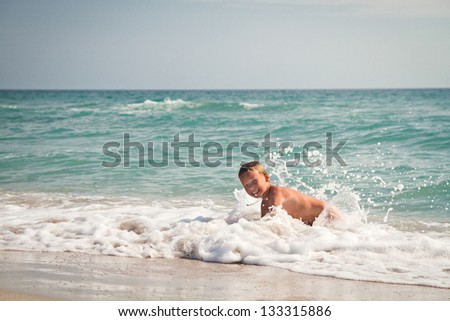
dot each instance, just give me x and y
(256, 182)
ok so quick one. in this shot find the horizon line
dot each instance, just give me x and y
(224, 89)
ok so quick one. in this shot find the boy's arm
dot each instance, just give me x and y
(269, 206)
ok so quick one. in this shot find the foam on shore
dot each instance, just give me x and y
(131, 227)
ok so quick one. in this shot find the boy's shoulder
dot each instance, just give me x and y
(283, 191)
(287, 193)
(276, 189)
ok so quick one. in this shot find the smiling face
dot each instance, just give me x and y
(256, 184)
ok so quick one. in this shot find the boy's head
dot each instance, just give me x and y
(254, 166)
(255, 179)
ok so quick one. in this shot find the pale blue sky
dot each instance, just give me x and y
(213, 44)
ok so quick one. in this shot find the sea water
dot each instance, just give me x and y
(154, 174)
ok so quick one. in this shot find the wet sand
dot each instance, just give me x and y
(75, 276)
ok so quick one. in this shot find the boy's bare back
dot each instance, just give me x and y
(296, 204)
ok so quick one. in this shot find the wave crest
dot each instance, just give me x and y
(167, 102)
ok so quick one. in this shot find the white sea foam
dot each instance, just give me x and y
(150, 106)
(8, 106)
(166, 103)
(206, 231)
(250, 105)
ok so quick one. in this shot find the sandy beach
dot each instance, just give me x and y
(75, 276)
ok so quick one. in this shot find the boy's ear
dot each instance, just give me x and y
(267, 177)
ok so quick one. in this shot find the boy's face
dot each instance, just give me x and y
(255, 184)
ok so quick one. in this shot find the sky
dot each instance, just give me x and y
(214, 44)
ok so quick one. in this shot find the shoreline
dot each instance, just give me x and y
(50, 276)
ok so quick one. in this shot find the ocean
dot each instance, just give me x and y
(153, 174)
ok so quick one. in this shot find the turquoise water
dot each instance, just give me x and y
(396, 151)
(99, 172)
